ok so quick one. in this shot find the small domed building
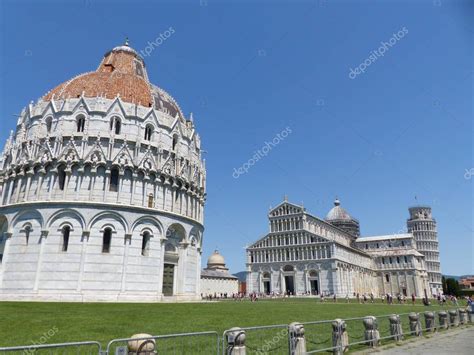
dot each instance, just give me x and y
(216, 279)
(102, 191)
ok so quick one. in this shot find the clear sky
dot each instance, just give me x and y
(252, 70)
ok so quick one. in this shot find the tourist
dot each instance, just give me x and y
(347, 298)
(371, 297)
(334, 298)
(413, 299)
(455, 301)
(470, 306)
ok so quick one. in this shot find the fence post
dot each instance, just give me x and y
(443, 320)
(297, 339)
(143, 346)
(340, 339)
(430, 321)
(462, 316)
(453, 317)
(415, 326)
(235, 338)
(371, 333)
(396, 327)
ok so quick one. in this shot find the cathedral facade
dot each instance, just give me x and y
(303, 254)
(102, 191)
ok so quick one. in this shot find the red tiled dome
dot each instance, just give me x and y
(121, 73)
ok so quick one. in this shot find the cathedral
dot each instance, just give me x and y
(306, 255)
(102, 191)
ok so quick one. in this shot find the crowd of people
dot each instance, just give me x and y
(223, 296)
(363, 298)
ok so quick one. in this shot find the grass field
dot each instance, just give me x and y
(25, 323)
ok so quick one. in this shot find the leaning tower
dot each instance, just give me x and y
(423, 227)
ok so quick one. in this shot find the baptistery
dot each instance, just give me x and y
(102, 190)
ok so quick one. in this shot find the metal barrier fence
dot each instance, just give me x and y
(295, 339)
(356, 335)
(200, 343)
(271, 339)
(85, 347)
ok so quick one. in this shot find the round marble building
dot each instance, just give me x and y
(102, 189)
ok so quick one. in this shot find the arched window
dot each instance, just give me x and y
(27, 234)
(148, 132)
(114, 179)
(175, 142)
(115, 125)
(106, 240)
(387, 277)
(81, 122)
(146, 243)
(61, 177)
(150, 200)
(49, 124)
(66, 232)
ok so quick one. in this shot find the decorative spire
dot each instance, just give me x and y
(127, 42)
(285, 198)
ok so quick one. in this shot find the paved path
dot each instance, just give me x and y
(456, 342)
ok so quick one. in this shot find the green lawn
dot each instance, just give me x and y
(25, 323)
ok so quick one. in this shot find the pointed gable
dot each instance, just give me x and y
(285, 208)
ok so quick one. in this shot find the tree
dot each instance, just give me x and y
(452, 287)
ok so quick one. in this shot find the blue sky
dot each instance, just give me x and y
(249, 70)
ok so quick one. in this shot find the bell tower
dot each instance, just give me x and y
(423, 227)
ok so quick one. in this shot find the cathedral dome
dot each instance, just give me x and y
(340, 218)
(121, 73)
(337, 213)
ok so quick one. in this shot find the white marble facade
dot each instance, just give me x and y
(303, 254)
(101, 198)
